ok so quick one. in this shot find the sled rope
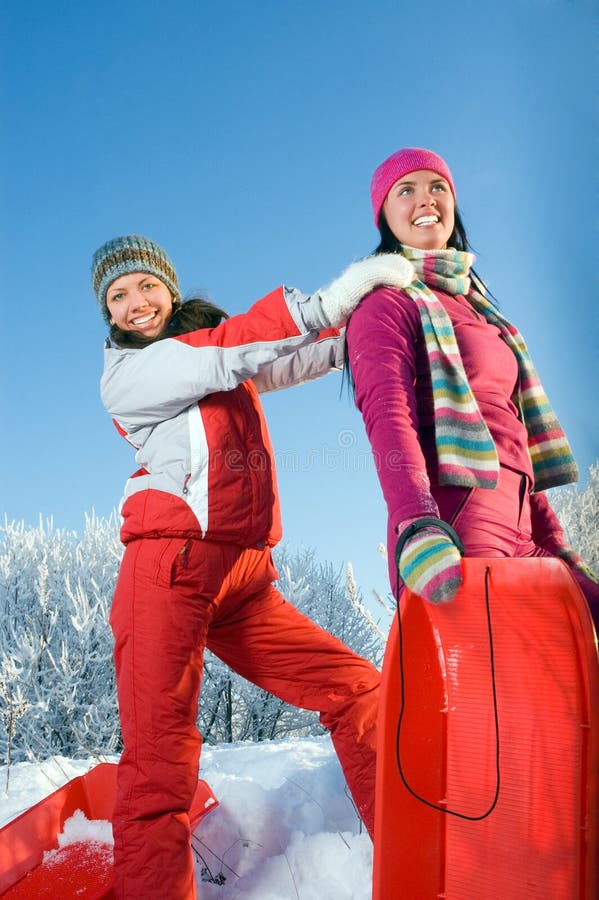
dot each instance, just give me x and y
(437, 806)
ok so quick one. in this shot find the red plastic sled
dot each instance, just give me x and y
(81, 870)
(497, 726)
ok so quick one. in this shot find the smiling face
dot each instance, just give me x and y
(420, 209)
(139, 302)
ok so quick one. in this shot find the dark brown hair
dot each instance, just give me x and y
(191, 315)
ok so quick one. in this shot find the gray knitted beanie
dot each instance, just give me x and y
(131, 253)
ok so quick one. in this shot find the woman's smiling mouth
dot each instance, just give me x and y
(143, 321)
(426, 220)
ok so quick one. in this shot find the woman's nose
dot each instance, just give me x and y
(138, 300)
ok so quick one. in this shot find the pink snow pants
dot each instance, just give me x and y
(497, 523)
(494, 523)
(173, 598)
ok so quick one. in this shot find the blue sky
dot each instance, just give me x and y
(242, 137)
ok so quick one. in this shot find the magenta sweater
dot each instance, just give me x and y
(392, 378)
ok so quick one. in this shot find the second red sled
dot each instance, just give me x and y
(80, 870)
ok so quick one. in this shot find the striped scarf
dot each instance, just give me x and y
(466, 452)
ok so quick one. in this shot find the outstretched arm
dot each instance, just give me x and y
(324, 355)
(142, 387)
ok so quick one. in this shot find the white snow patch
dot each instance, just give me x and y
(285, 827)
(80, 828)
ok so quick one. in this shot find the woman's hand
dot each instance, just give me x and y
(340, 298)
(562, 550)
(429, 559)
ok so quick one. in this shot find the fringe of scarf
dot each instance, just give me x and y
(466, 452)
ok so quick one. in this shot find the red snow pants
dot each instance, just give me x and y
(173, 598)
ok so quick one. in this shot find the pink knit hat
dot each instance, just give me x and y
(410, 159)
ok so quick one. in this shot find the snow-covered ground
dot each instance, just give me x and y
(285, 826)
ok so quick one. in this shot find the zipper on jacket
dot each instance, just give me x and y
(186, 482)
(183, 554)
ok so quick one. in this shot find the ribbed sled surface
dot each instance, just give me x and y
(499, 729)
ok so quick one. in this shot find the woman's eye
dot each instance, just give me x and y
(404, 191)
(148, 286)
(116, 297)
(438, 187)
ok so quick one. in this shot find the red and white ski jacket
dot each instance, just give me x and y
(190, 407)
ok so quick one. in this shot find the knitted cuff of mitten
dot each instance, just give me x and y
(575, 562)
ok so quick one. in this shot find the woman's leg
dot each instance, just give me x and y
(269, 642)
(159, 618)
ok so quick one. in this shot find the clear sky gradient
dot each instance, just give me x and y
(242, 136)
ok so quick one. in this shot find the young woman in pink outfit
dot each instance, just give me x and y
(464, 439)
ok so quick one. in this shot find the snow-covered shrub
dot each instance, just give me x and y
(57, 686)
(578, 512)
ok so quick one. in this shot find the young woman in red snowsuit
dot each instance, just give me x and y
(460, 428)
(200, 517)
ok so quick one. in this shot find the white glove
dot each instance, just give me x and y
(341, 296)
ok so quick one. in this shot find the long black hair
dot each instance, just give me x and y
(458, 239)
(388, 243)
(190, 315)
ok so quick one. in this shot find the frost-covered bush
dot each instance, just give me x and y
(578, 512)
(57, 689)
(57, 686)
